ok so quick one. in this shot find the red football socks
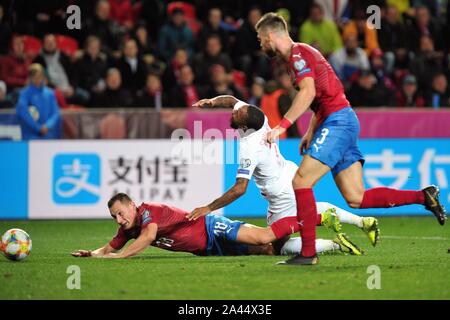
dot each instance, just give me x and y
(387, 198)
(307, 218)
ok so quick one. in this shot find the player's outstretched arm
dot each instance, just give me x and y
(301, 103)
(106, 249)
(224, 101)
(237, 190)
(145, 239)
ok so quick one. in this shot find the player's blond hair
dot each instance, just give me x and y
(273, 22)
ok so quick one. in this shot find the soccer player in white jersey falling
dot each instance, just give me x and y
(273, 175)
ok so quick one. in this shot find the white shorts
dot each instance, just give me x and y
(283, 204)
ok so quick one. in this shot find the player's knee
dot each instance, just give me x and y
(354, 201)
(265, 238)
(301, 180)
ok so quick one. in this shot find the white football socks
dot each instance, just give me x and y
(294, 246)
(343, 215)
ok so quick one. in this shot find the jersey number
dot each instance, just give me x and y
(219, 228)
(323, 136)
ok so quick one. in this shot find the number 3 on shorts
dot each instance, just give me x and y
(323, 136)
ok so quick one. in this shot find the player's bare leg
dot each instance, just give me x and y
(254, 235)
(350, 183)
(309, 172)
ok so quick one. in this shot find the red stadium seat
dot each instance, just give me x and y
(189, 9)
(67, 45)
(32, 46)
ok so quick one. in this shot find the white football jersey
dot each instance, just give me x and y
(264, 162)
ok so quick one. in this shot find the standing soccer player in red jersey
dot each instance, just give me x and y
(330, 142)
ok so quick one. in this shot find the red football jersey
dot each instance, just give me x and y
(306, 61)
(175, 231)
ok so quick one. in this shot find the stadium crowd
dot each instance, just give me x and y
(157, 54)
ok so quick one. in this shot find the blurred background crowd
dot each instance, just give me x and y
(161, 54)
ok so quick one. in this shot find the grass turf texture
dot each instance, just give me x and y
(412, 257)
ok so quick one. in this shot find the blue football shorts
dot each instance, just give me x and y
(222, 233)
(335, 141)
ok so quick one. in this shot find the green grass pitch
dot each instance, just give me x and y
(412, 257)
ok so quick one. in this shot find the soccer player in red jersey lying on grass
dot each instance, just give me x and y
(168, 227)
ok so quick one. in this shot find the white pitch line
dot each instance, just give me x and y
(406, 237)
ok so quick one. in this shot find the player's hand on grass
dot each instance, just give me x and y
(82, 253)
(198, 212)
(273, 135)
(204, 103)
(305, 143)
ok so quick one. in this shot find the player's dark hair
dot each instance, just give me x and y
(272, 21)
(122, 197)
(255, 117)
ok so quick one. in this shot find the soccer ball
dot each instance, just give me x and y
(16, 244)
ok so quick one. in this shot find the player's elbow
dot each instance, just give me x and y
(239, 190)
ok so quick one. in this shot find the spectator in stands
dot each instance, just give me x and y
(247, 51)
(175, 34)
(5, 32)
(171, 74)
(122, 13)
(114, 96)
(37, 109)
(211, 55)
(319, 32)
(106, 29)
(285, 100)
(5, 102)
(377, 66)
(48, 16)
(358, 27)
(90, 69)
(439, 94)
(366, 92)
(424, 25)
(59, 70)
(153, 95)
(213, 26)
(14, 67)
(393, 39)
(426, 63)
(257, 91)
(221, 83)
(151, 13)
(186, 93)
(349, 60)
(132, 68)
(409, 96)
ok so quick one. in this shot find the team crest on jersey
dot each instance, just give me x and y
(300, 64)
(146, 217)
(245, 163)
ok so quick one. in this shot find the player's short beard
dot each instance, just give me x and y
(234, 124)
(271, 53)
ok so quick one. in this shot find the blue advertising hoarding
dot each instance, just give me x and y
(395, 163)
(13, 180)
